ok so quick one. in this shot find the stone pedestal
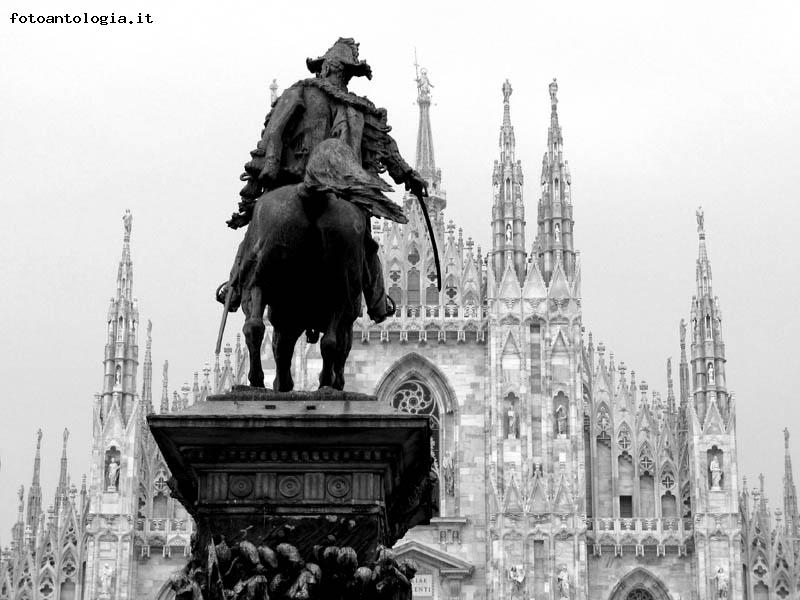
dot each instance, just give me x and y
(306, 468)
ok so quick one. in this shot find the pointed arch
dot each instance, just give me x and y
(47, 584)
(415, 384)
(413, 364)
(602, 421)
(69, 566)
(5, 587)
(643, 581)
(624, 438)
(165, 592)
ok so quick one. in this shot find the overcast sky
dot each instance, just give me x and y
(664, 106)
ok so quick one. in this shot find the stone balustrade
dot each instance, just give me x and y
(640, 533)
(163, 527)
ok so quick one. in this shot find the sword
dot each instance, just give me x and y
(228, 294)
(431, 235)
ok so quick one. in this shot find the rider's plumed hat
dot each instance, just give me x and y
(345, 50)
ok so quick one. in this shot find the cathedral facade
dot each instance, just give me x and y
(561, 476)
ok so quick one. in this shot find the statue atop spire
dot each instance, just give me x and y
(507, 89)
(273, 92)
(424, 85)
(425, 161)
(127, 220)
(700, 222)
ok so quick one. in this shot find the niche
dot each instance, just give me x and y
(511, 409)
(716, 474)
(561, 414)
(112, 467)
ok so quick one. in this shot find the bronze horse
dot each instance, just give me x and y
(303, 257)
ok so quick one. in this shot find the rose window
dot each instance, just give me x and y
(415, 397)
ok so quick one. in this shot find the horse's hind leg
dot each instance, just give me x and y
(253, 307)
(284, 339)
(345, 342)
(329, 349)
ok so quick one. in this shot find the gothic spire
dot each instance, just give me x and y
(703, 264)
(147, 374)
(61, 489)
(122, 350)
(507, 144)
(425, 162)
(554, 240)
(670, 389)
(508, 209)
(164, 408)
(762, 504)
(18, 531)
(35, 491)
(789, 491)
(707, 346)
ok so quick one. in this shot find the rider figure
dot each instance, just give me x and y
(307, 113)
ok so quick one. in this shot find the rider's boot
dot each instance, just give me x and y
(380, 305)
(382, 310)
(232, 284)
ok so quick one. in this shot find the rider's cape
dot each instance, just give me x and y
(291, 148)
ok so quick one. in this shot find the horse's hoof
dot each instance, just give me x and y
(283, 386)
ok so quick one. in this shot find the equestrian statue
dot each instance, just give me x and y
(311, 187)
